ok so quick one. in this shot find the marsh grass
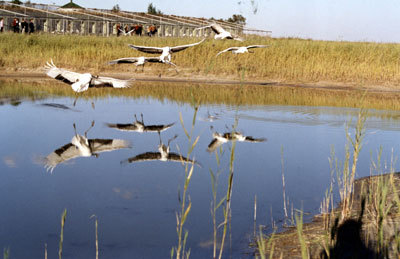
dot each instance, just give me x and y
(299, 227)
(286, 59)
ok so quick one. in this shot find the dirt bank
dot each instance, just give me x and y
(27, 75)
(361, 237)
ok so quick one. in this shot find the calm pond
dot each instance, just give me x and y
(135, 203)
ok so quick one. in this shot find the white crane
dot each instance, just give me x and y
(240, 50)
(81, 146)
(220, 33)
(164, 51)
(219, 139)
(139, 126)
(140, 61)
(126, 33)
(81, 82)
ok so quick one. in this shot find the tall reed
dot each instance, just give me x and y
(228, 199)
(345, 176)
(60, 248)
(185, 205)
(215, 204)
(299, 227)
(6, 253)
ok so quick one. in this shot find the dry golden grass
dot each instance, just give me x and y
(286, 59)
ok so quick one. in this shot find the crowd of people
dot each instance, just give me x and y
(28, 26)
(24, 26)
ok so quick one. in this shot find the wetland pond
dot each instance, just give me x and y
(136, 203)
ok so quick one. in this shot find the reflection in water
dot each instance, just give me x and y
(56, 105)
(10, 161)
(81, 146)
(13, 101)
(139, 126)
(219, 139)
(210, 117)
(163, 154)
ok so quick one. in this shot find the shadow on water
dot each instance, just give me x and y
(347, 240)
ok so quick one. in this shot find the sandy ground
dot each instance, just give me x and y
(201, 79)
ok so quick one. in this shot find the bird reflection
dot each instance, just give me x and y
(219, 139)
(163, 154)
(210, 117)
(81, 146)
(139, 126)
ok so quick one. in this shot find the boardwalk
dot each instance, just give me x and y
(89, 21)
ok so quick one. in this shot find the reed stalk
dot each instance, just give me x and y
(6, 253)
(215, 204)
(299, 226)
(283, 188)
(63, 218)
(185, 205)
(227, 208)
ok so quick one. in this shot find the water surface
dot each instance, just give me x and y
(135, 203)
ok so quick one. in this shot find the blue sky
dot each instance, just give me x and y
(353, 20)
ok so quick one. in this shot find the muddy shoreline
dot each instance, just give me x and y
(196, 79)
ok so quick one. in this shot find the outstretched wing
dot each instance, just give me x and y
(158, 128)
(214, 144)
(122, 127)
(153, 59)
(61, 155)
(102, 145)
(174, 157)
(257, 46)
(251, 139)
(153, 50)
(124, 60)
(204, 27)
(182, 47)
(217, 28)
(226, 50)
(238, 38)
(61, 74)
(148, 156)
(109, 81)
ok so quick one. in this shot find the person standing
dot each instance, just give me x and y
(1, 25)
(15, 25)
(24, 26)
(118, 29)
(31, 26)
